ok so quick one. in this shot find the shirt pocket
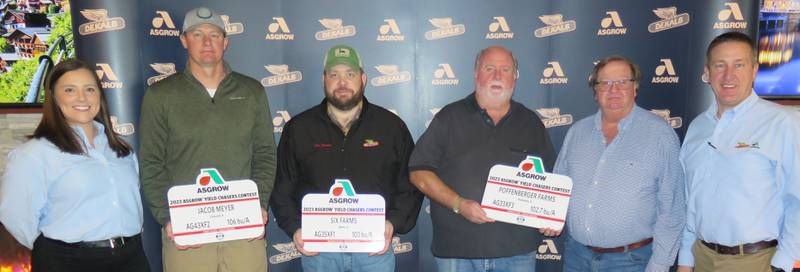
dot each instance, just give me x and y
(381, 161)
(751, 167)
(641, 176)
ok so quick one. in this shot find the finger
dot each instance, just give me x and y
(168, 229)
(477, 220)
(385, 248)
(306, 253)
(299, 246)
(264, 216)
(383, 251)
(485, 218)
(482, 214)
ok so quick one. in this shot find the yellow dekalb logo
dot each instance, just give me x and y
(444, 29)
(163, 69)
(669, 19)
(555, 25)
(552, 117)
(674, 122)
(99, 22)
(280, 75)
(231, 28)
(390, 74)
(334, 30)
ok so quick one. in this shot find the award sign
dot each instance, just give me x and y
(343, 221)
(526, 195)
(214, 210)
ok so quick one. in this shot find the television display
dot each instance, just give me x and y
(778, 50)
(29, 31)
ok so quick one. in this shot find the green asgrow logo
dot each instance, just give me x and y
(342, 186)
(207, 175)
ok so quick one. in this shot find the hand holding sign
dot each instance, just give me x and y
(526, 195)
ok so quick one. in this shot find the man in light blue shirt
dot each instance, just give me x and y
(627, 208)
(742, 171)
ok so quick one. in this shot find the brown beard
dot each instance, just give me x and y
(344, 105)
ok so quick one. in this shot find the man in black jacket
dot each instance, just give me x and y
(345, 137)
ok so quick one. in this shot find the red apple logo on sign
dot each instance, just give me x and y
(205, 180)
(527, 166)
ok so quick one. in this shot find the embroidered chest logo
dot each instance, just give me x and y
(746, 145)
(370, 143)
(321, 146)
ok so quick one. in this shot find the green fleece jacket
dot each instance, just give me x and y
(182, 129)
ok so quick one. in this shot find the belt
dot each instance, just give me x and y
(740, 249)
(116, 242)
(624, 248)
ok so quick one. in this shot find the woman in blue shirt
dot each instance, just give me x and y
(71, 192)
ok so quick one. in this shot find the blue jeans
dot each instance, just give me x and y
(349, 262)
(579, 258)
(520, 263)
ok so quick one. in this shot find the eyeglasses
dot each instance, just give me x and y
(605, 85)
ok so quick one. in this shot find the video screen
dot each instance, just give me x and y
(779, 64)
(28, 31)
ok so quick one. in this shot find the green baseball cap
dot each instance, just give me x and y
(342, 54)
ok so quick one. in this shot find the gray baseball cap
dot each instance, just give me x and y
(202, 15)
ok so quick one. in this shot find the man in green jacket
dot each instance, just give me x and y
(206, 117)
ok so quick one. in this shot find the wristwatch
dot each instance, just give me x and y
(457, 205)
(775, 269)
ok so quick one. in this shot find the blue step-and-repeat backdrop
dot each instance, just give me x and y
(418, 56)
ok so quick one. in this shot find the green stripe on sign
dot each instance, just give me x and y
(537, 165)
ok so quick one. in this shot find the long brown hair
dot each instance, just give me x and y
(54, 126)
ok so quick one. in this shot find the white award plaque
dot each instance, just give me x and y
(343, 221)
(214, 210)
(526, 195)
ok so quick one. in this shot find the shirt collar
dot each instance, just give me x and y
(324, 109)
(736, 111)
(622, 123)
(472, 105)
(99, 138)
(188, 72)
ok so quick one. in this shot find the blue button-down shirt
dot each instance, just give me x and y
(70, 197)
(743, 179)
(626, 191)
